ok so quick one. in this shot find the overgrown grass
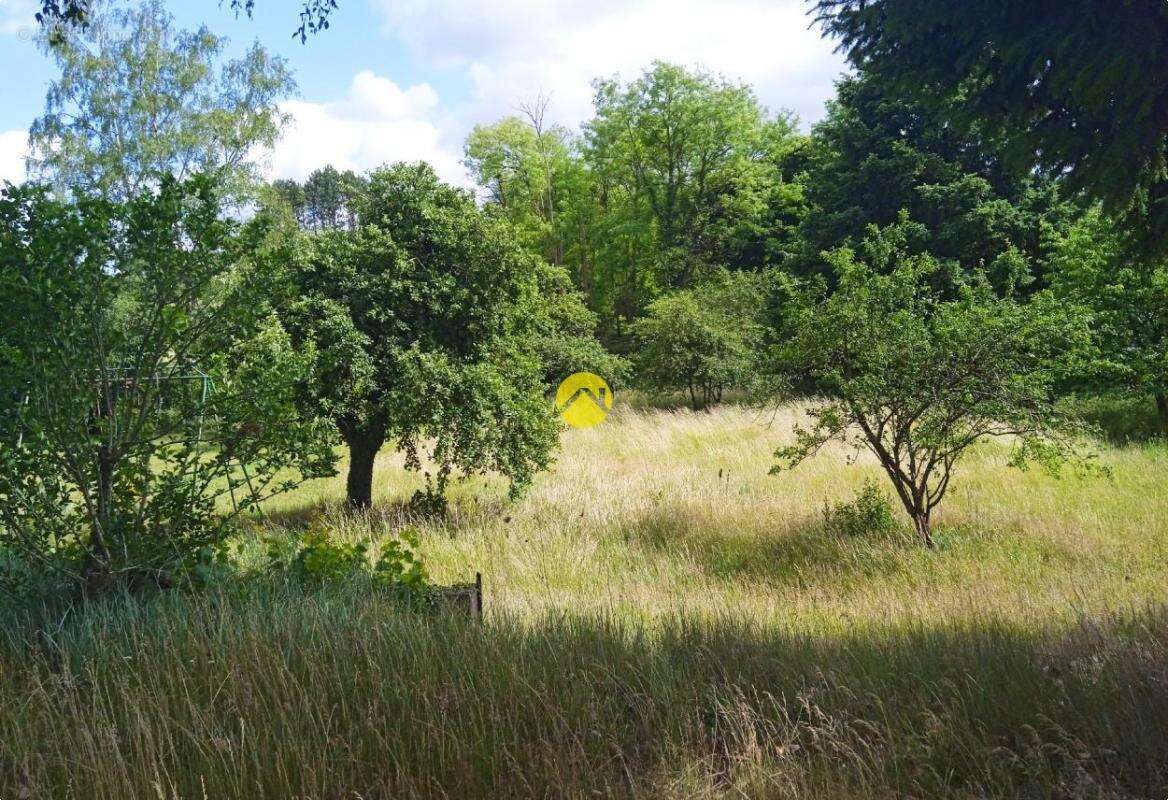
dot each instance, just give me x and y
(663, 620)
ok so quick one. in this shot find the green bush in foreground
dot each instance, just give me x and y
(147, 389)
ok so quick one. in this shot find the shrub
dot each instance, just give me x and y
(869, 514)
(702, 340)
(316, 559)
(145, 383)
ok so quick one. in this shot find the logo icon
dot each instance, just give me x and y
(583, 400)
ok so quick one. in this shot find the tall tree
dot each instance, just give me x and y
(421, 320)
(524, 167)
(676, 141)
(139, 98)
(877, 155)
(1072, 87)
(327, 199)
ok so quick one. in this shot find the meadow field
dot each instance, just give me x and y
(663, 619)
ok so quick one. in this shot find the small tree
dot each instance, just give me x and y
(420, 320)
(701, 340)
(144, 381)
(917, 373)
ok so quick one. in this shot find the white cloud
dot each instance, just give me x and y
(376, 123)
(511, 50)
(13, 149)
(17, 17)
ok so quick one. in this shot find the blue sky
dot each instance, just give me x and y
(407, 79)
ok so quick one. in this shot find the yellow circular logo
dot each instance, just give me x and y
(583, 399)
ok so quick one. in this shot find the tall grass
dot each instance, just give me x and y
(663, 620)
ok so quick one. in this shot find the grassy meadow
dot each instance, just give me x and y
(663, 619)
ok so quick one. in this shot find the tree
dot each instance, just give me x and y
(702, 340)
(523, 166)
(1065, 86)
(877, 155)
(138, 99)
(314, 14)
(1127, 298)
(563, 332)
(144, 380)
(327, 199)
(420, 319)
(675, 143)
(916, 376)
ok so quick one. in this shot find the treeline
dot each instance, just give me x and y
(682, 184)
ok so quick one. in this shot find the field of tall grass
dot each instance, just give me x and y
(663, 619)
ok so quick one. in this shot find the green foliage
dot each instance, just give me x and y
(877, 156)
(421, 321)
(146, 381)
(917, 375)
(869, 514)
(1127, 298)
(563, 332)
(702, 340)
(316, 559)
(679, 173)
(1066, 87)
(327, 199)
(138, 99)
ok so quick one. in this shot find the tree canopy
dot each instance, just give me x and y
(1070, 87)
(138, 99)
(875, 156)
(420, 321)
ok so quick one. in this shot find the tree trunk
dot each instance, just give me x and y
(362, 453)
(924, 530)
(99, 536)
(1162, 412)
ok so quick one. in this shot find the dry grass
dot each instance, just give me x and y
(664, 620)
(664, 512)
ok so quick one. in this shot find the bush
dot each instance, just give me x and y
(317, 560)
(145, 384)
(702, 340)
(869, 514)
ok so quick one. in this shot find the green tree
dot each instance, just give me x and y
(676, 144)
(326, 200)
(563, 332)
(1127, 298)
(523, 167)
(144, 380)
(139, 98)
(1068, 87)
(57, 14)
(917, 376)
(702, 340)
(420, 319)
(877, 155)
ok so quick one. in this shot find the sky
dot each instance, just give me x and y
(395, 80)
